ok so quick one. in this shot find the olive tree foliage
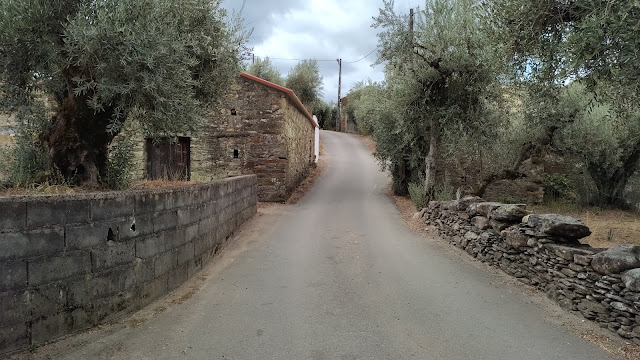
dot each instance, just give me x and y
(264, 69)
(102, 63)
(305, 80)
(441, 78)
(577, 62)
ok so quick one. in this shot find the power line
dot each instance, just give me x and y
(272, 58)
(346, 62)
(366, 56)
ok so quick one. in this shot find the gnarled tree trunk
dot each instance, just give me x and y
(611, 186)
(431, 161)
(78, 141)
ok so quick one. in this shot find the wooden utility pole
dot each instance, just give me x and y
(339, 97)
(411, 15)
(411, 23)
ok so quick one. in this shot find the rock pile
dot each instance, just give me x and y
(543, 250)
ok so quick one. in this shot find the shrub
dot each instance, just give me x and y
(418, 196)
(119, 170)
(557, 187)
(27, 161)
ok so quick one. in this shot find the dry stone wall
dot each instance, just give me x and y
(68, 263)
(543, 250)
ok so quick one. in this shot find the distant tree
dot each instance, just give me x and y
(161, 63)
(365, 102)
(264, 69)
(305, 80)
(326, 114)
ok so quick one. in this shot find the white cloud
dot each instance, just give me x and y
(321, 30)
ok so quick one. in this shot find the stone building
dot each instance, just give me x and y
(261, 128)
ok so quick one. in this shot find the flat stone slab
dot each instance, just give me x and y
(509, 213)
(482, 208)
(617, 259)
(556, 225)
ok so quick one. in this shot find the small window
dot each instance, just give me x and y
(236, 153)
(233, 112)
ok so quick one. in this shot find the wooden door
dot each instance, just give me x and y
(167, 160)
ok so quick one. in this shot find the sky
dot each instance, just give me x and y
(318, 29)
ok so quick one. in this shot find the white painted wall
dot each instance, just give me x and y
(317, 140)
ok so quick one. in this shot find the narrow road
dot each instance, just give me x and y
(339, 276)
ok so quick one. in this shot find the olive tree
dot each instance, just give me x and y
(264, 69)
(305, 80)
(578, 62)
(442, 74)
(101, 63)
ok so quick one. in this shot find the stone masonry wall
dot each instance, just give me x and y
(258, 130)
(543, 250)
(255, 131)
(299, 135)
(68, 263)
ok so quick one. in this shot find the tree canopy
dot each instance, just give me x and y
(264, 69)
(305, 80)
(441, 75)
(159, 63)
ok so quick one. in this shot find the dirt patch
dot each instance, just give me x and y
(6, 140)
(308, 182)
(368, 141)
(608, 226)
(612, 343)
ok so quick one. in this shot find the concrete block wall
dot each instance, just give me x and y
(68, 263)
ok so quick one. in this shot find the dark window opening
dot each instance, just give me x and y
(236, 153)
(233, 112)
(169, 160)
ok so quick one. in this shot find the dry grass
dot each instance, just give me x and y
(368, 141)
(48, 189)
(608, 227)
(6, 140)
(159, 184)
(43, 189)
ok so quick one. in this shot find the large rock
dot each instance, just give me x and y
(556, 225)
(510, 213)
(464, 203)
(480, 222)
(482, 208)
(617, 259)
(516, 239)
(631, 279)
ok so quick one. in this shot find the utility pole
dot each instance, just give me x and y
(411, 33)
(339, 98)
(253, 59)
(411, 23)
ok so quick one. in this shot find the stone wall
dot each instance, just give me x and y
(543, 250)
(255, 131)
(68, 263)
(258, 130)
(299, 137)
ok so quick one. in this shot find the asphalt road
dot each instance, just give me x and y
(340, 276)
